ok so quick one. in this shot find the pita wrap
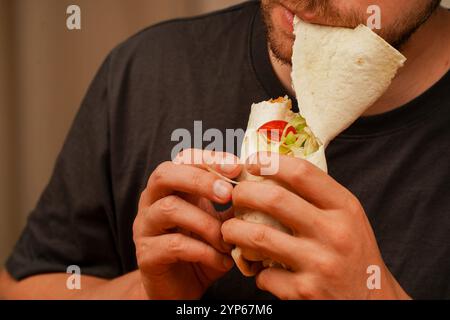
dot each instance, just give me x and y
(337, 74)
(261, 113)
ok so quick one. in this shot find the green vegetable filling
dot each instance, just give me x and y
(300, 144)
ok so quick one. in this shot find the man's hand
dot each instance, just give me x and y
(332, 244)
(179, 246)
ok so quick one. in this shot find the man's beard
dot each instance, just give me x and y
(397, 34)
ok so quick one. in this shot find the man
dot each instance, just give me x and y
(139, 226)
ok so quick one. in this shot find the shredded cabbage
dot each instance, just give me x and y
(300, 144)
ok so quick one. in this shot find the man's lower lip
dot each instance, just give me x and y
(289, 19)
(309, 16)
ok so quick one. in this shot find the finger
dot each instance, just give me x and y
(169, 249)
(287, 207)
(279, 282)
(271, 243)
(173, 212)
(226, 164)
(169, 178)
(143, 200)
(310, 182)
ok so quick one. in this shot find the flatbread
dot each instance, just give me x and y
(261, 113)
(338, 73)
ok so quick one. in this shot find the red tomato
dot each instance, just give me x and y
(276, 127)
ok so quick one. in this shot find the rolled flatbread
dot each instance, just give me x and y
(337, 74)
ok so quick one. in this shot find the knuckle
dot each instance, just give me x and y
(319, 222)
(175, 243)
(136, 229)
(168, 205)
(206, 253)
(353, 205)
(275, 197)
(160, 172)
(327, 267)
(141, 251)
(138, 222)
(143, 213)
(342, 238)
(307, 288)
(302, 169)
(259, 236)
(143, 194)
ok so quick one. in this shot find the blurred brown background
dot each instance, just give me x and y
(44, 72)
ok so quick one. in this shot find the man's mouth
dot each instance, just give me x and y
(287, 14)
(305, 15)
(310, 15)
(284, 18)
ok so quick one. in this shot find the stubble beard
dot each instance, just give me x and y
(281, 42)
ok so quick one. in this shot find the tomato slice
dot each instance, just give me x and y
(276, 127)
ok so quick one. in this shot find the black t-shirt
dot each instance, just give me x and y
(212, 68)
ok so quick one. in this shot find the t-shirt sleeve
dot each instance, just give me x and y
(73, 221)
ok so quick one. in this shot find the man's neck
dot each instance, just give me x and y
(428, 53)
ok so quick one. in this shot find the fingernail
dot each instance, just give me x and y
(222, 189)
(228, 262)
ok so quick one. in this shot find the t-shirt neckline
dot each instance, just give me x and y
(417, 110)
